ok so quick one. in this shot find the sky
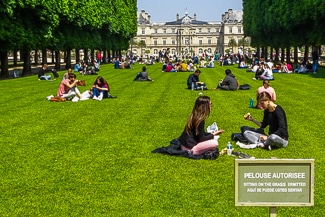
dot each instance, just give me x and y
(206, 10)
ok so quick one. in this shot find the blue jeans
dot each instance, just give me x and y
(315, 65)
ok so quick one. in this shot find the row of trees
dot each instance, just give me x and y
(62, 26)
(281, 24)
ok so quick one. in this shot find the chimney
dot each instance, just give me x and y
(149, 16)
(223, 17)
(194, 16)
(230, 11)
(177, 16)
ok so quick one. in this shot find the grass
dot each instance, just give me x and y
(94, 158)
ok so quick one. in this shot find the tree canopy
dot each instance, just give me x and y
(283, 23)
(65, 24)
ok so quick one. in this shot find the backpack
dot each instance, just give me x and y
(244, 87)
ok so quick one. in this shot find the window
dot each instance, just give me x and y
(200, 30)
(173, 51)
(217, 30)
(230, 29)
(156, 31)
(208, 30)
(209, 50)
(239, 29)
(164, 30)
(173, 30)
(209, 40)
(173, 41)
(155, 51)
(143, 31)
(164, 41)
(200, 51)
(155, 42)
(200, 42)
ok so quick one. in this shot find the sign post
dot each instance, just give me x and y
(274, 182)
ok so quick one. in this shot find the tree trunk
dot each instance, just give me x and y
(104, 56)
(306, 53)
(258, 55)
(109, 56)
(86, 56)
(27, 69)
(295, 58)
(4, 65)
(57, 60)
(15, 58)
(52, 56)
(44, 56)
(68, 59)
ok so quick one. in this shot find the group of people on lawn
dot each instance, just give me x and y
(194, 139)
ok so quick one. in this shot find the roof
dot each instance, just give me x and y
(233, 16)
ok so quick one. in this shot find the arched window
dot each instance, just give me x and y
(200, 50)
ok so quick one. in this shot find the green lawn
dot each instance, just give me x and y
(93, 158)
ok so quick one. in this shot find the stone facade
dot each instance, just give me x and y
(188, 35)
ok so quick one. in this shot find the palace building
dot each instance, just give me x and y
(188, 35)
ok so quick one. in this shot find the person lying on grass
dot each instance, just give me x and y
(194, 139)
(275, 118)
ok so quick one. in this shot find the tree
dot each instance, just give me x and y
(232, 43)
(142, 44)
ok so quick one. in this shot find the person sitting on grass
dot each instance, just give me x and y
(43, 70)
(142, 76)
(265, 88)
(193, 81)
(267, 74)
(66, 75)
(68, 88)
(211, 63)
(100, 89)
(194, 139)
(275, 118)
(78, 67)
(229, 82)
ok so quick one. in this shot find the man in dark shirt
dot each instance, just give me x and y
(193, 81)
(43, 70)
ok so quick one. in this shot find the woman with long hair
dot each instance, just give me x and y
(275, 118)
(194, 138)
(100, 89)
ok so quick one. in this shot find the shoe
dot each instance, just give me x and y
(95, 98)
(254, 78)
(75, 99)
(266, 147)
(100, 97)
(49, 97)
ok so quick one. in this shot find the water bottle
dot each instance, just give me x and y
(251, 103)
(229, 149)
(192, 85)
